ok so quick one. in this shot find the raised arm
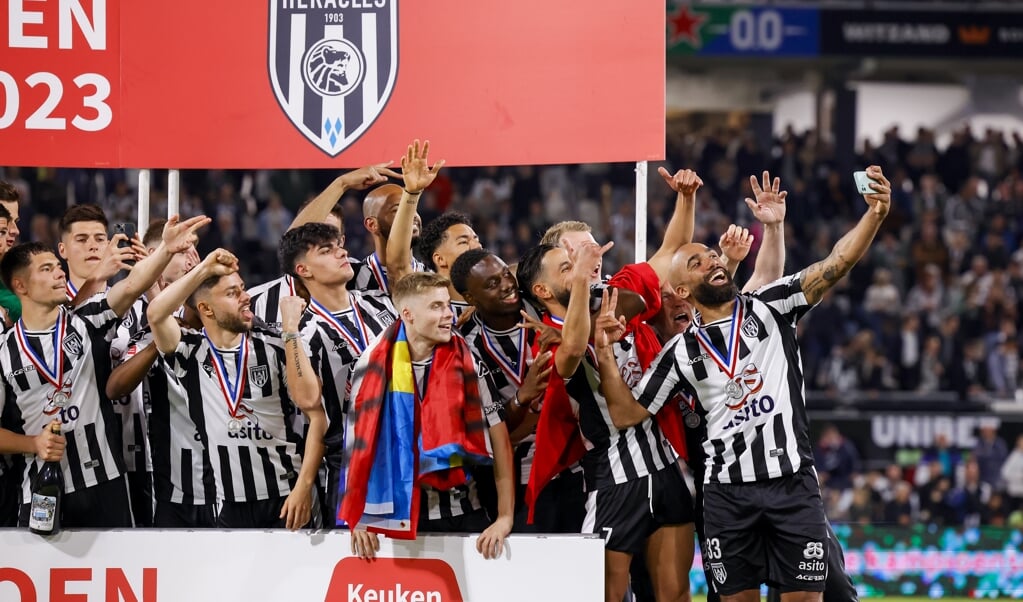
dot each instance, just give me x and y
(177, 238)
(625, 411)
(418, 176)
(821, 276)
(683, 221)
(128, 375)
(360, 179)
(115, 259)
(575, 333)
(166, 331)
(769, 209)
(303, 384)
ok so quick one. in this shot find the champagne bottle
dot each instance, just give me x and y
(47, 493)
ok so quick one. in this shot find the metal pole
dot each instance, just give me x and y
(143, 210)
(641, 170)
(173, 192)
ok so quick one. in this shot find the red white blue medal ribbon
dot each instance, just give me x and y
(516, 370)
(728, 361)
(357, 343)
(56, 375)
(232, 391)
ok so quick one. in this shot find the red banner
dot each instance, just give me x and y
(329, 83)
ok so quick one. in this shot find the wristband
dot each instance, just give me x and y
(290, 336)
(518, 403)
(410, 193)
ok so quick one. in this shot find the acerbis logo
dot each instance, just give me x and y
(393, 580)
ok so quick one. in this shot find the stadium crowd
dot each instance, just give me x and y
(947, 487)
(930, 305)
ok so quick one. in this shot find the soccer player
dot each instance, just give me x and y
(379, 211)
(238, 378)
(441, 242)
(336, 328)
(325, 208)
(183, 488)
(495, 336)
(740, 362)
(398, 222)
(418, 367)
(635, 490)
(51, 366)
(83, 241)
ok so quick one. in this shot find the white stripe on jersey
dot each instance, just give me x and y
(88, 422)
(332, 357)
(180, 462)
(757, 427)
(614, 456)
(266, 299)
(261, 461)
(130, 409)
(371, 274)
(508, 343)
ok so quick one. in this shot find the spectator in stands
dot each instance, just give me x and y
(837, 459)
(903, 508)
(968, 501)
(990, 454)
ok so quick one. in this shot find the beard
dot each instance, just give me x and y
(562, 296)
(232, 323)
(709, 295)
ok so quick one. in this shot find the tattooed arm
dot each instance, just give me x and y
(821, 276)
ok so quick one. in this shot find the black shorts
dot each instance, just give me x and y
(629, 513)
(258, 514)
(102, 506)
(140, 492)
(169, 515)
(10, 498)
(774, 528)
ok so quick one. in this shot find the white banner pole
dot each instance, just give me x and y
(641, 170)
(173, 192)
(143, 209)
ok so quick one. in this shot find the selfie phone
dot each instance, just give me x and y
(129, 230)
(863, 182)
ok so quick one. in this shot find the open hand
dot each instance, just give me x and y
(769, 206)
(416, 169)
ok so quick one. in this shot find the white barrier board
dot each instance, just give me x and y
(258, 566)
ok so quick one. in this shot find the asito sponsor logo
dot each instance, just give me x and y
(393, 580)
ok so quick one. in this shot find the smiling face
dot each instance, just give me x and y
(699, 276)
(428, 317)
(12, 226)
(492, 288)
(82, 246)
(676, 314)
(553, 283)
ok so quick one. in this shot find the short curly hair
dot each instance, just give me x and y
(435, 233)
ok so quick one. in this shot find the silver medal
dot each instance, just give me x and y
(692, 420)
(234, 426)
(60, 399)
(733, 390)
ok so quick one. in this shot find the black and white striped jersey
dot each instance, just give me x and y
(458, 308)
(371, 274)
(238, 398)
(614, 456)
(507, 354)
(334, 342)
(266, 299)
(182, 472)
(131, 408)
(746, 376)
(462, 499)
(54, 375)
